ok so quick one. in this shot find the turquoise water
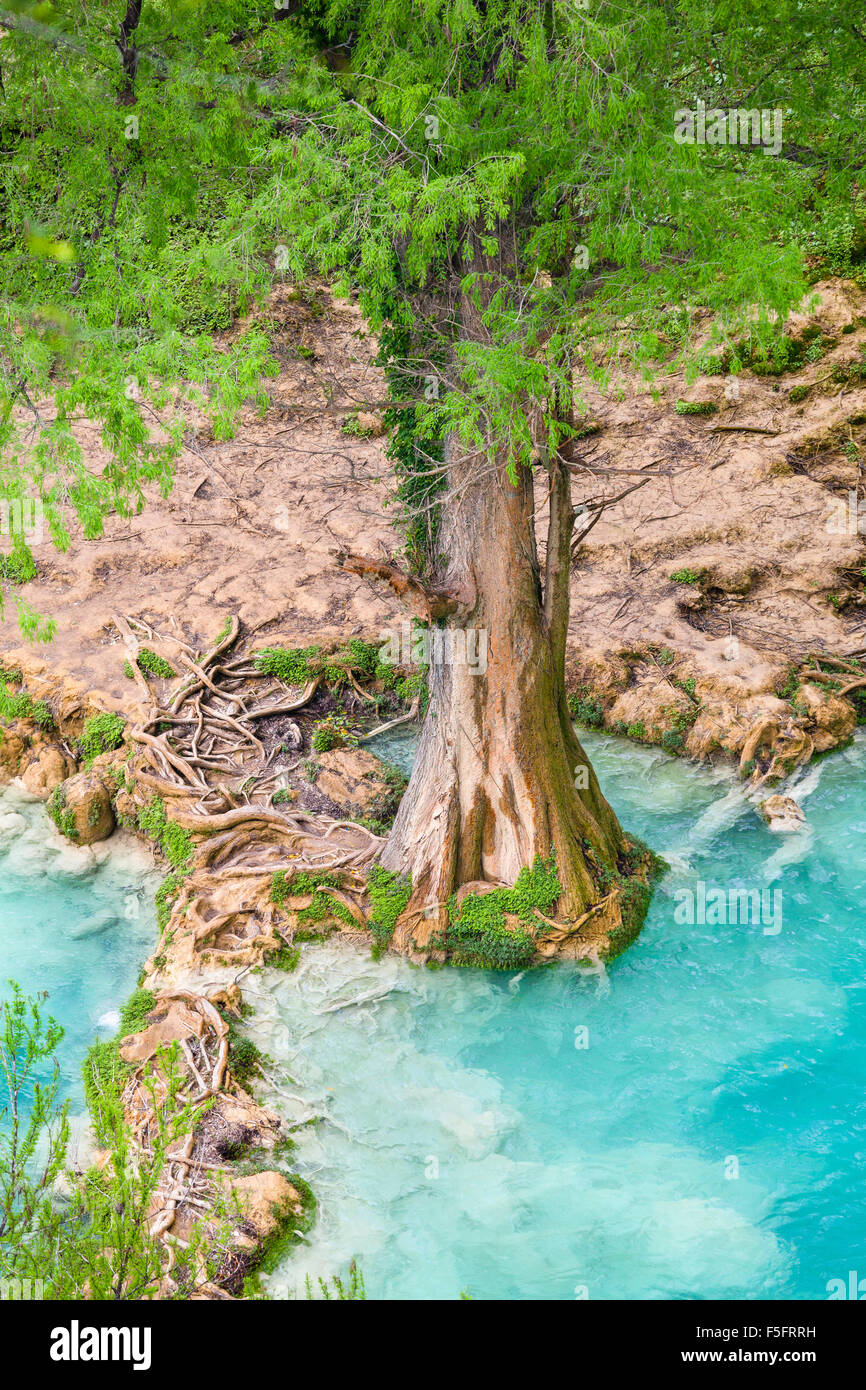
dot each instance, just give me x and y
(689, 1124)
(76, 923)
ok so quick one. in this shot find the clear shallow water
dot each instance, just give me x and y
(471, 1145)
(77, 923)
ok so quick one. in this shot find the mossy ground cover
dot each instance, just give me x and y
(478, 933)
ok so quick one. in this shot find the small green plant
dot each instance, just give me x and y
(285, 885)
(478, 933)
(58, 810)
(696, 408)
(282, 796)
(798, 393)
(344, 1290)
(290, 665)
(687, 576)
(389, 893)
(154, 665)
(175, 842)
(352, 426)
(18, 567)
(637, 731)
(584, 709)
(102, 734)
(787, 689)
(334, 731)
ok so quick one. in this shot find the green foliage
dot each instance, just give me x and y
(587, 710)
(696, 408)
(346, 1290)
(687, 576)
(389, 893)
(58, 809)
(798, 393)
(133, 1015)
(282, 796)
(285, 884)
(478, 934)
(146, 211)
(334, 731)
(32, 1145)
(637, 731)
(102, 733)
(291, 665)
(175, 842)
(22, 705)
(165, 897)
(787, 689)
(286, 959)
(18, 567)
(154, 665)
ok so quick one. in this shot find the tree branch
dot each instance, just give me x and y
(425, 601)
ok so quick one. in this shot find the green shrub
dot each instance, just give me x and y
(102, 734)
(286, 884)
(584, 709)
(175, 842)
(291, 665)
(133, 1015)
(18, 567)
(334, 731)
(166, 893)
(60, 813)
(154, 665)
(695, 408)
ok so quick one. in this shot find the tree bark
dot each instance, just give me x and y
(494, 778)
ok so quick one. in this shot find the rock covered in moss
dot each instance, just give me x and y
(81, 809)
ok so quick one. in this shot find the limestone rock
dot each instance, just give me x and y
(266, 1199)
(835, 720)
(12, 750)
(731, 575)
(81, 809)
(353, 778)
(46, 770)
(782, 814)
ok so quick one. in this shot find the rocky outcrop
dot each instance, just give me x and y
(81, 809)
(353, 779)
(782, 814)
(46, 769)
(265, 1199)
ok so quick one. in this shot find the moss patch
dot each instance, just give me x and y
(478, 933)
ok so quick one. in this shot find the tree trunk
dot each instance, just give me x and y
(494, 781)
